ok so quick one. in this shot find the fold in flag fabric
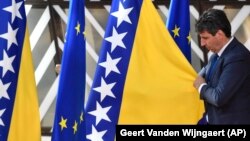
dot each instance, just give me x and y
(141, 77)
(69, 115)
(178, 24)
(19, 110)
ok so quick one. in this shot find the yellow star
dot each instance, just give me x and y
(81, 117)
(84, 33)
(63, 123)
(189, 38)
(77, 28)
(75, 127)
(176, 31)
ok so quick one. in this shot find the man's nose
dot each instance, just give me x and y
(203, 43)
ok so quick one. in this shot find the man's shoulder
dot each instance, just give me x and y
(236, 50)
(237, 53)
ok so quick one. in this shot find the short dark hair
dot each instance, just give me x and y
(213, 20)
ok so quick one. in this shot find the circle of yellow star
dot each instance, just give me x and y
(189, 38)
(81, 117)
(176, 31)
(77, 28)
(63, 123)
(75, 127)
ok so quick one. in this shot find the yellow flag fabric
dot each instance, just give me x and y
(159, 83)
(25, 121)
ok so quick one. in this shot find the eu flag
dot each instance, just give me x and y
(68, 122)
(141, 77)
(178, 24)
(19, 109)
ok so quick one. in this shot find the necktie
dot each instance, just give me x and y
(212, 66)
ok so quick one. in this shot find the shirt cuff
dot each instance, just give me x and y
(199, 90)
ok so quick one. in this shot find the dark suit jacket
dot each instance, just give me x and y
(227, 94)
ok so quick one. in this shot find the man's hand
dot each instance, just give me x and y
(198, 81)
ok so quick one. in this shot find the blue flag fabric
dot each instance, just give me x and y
(106, 92)
(178, 24)
(69, 115)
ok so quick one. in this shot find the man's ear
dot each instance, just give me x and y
(220, 33)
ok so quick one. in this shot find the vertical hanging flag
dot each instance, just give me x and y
(141, 77)
(178, 24)
(19, 110)
(68, 122)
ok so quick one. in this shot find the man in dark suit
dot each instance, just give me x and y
(224, 83)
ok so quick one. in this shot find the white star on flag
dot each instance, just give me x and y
(95, 135)
(100, 113)
(116, 39)
(122, 14)
(10, 36)
(3, 90)
(105, 89)
(1, 113)
(14, 10)
(110, 65)
(6, 63)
